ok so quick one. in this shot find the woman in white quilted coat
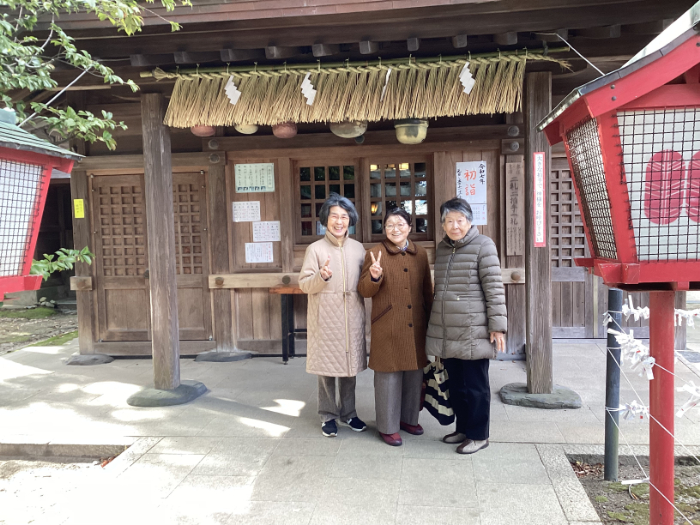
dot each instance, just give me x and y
(335, 350)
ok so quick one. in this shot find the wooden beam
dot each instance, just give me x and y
(277, 52)
(506, 39)
(552, 36)
(459, 41)
(151, 60)
(160, 226)
(238, 55)
(413, 44)
(251, 280)
(121, 162)
(128, 348)
(648, 28)
(324, 50)
(197, 57)
(600, 33)
(367, 47)
(219, 234)
(372, 138)
(537, 104)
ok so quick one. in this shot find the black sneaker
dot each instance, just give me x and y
(356, 424)
(329, 428)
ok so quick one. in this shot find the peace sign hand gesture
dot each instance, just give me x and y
(326, 272)
(376, 269)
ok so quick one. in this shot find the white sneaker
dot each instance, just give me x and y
(470, 446)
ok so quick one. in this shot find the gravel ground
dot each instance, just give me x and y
(17, 333)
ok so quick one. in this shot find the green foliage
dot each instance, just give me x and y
(65, 259)
(33, 313)
(26, 62)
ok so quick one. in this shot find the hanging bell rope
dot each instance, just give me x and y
(416, 88)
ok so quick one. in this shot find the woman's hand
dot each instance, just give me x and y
(326, 272)
(500, 340)
(376, 269)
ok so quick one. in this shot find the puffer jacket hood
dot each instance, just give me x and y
(469, 299)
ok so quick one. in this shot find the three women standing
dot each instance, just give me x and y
(336, 350)
(396, 275)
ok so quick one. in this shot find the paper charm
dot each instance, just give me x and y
(386, 82)
(634, 410)
(694, 400)
(232, 91)
(607, 319)
(646, 364)
(465, 77)
(308, 90)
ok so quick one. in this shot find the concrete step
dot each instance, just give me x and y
(67, 305)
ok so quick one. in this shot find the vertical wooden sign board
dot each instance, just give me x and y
(515, 208)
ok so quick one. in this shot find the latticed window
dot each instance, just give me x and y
(404, 185)
(315, 181)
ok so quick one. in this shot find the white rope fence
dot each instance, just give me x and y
(636, 354)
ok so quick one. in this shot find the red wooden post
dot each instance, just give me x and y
(661, 443)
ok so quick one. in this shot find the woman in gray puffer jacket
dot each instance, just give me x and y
(467, 322)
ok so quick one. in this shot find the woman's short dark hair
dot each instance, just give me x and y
(399, 212)
(458, 205)
(337, 200)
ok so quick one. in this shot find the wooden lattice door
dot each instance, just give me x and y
(191, 251)
(121, 261)
(573, 304)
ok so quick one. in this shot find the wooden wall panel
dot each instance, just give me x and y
(243, 231)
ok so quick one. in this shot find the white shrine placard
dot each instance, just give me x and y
(265, 231)
(246, 211)
(258, 252)
(252, 178)
(471, 186)
(539, 199)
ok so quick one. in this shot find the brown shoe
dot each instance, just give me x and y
(455, 437)
(416, 430)
(392, 439)
(470, 446)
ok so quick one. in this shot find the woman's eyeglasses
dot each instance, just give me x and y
(397, 226)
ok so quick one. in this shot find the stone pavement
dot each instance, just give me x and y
(250, 451)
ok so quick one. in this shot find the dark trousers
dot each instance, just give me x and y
(470, 396)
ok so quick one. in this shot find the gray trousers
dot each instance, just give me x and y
(327, 405)
(397, 398)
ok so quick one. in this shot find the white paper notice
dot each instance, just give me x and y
(258, 252)
(246, 211)
(252, 178)
(471, 186)
(266, 231)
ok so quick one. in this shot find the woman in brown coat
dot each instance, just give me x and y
(335, 347)
(396, 275)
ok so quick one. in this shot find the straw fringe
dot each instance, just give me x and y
(414, 90)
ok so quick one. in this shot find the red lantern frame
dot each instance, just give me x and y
(653, 84)
(24, 281)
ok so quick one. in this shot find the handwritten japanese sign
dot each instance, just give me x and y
(252, 178)
(79, 206)
(471, 186)
(264, 231)
(515, 208)
(258, 252)
(246, 211)
(539, 199)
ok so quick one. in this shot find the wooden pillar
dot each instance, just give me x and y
(79, 190)
(161, 243)
(82, 237)
(219, 242)
(537, 104)
(514, 256)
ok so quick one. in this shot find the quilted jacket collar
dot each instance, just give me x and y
(469, 237)
(394, 250)
(334, 241)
